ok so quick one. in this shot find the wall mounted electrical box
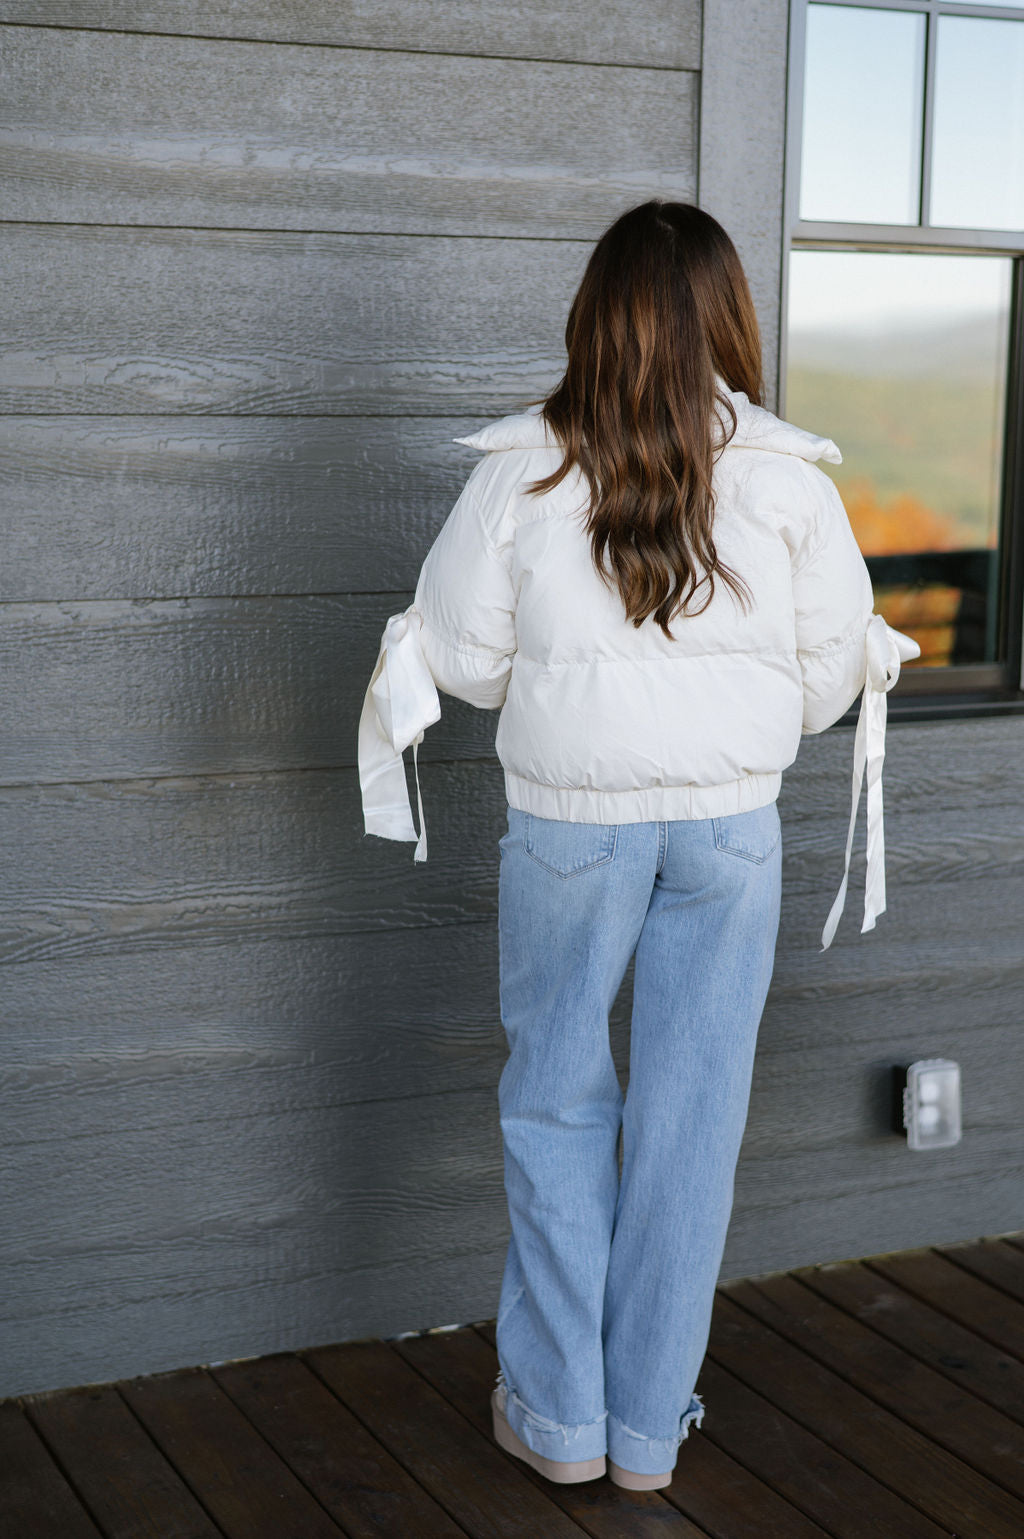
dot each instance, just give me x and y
(931, 1103)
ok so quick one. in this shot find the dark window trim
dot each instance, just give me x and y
(948, 707)
(1011, 533)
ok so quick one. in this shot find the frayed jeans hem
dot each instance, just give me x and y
(565, 1442)
(560, 1441)
(650, 1455)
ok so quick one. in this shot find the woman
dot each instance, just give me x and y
(653, 580)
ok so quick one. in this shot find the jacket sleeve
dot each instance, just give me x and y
(833, 603)
(466, 601)
(458, 635)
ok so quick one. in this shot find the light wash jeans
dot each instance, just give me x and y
(605, 1306)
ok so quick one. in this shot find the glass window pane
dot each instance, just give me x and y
(978, 137)
(901, 358)
(863, 85)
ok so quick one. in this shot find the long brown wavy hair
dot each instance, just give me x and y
(664, 304)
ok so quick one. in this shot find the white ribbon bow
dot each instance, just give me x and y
(401, 701)
(884, 650)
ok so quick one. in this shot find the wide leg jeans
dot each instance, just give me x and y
(605, 1305)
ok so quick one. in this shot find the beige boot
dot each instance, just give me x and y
(554, 1469)
(631, 1481)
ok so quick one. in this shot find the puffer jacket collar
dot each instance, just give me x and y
(756, 428)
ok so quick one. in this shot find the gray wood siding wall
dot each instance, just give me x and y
(255, 282)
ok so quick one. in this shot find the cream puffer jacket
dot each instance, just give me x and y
(605, 722)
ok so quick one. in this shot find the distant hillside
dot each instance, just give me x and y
(936, 436)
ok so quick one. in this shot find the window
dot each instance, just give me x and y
(903, 295)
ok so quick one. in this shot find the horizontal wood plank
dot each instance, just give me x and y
(281, 1026)
(286, 855)
(116, 688)
(321, 1221)
(174, 506)
(661, 33)
(329, 986)
(122, 128)
(377, 1178)
(136, 865)
(280, 322)
(106, 689)
(836, 1097)
(273, 980)
(112, 507)
(110, 866)
(263, 1021)
(868, 1199)
(245, 1308)
(298, 1221)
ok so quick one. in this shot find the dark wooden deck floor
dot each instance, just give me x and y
(875, 1397)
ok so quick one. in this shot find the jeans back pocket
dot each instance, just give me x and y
(752, 835)
(567, 849)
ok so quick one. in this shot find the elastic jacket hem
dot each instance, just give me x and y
(585, 804)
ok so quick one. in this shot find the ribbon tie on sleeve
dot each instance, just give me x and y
(884, 649)
(401, 701)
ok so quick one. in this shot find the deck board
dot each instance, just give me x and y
(456, 1462)
(916, 1469)
(463, 1371)
(992, 1261)
(130, 1487)
(35, 1498)
(810, 1472)
(363, 1488)
(952, 1417)
(881, 1396)
(992, 1375)
(247, 1488)
(970, 1301)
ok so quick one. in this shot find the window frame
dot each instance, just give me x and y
(973, 689)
